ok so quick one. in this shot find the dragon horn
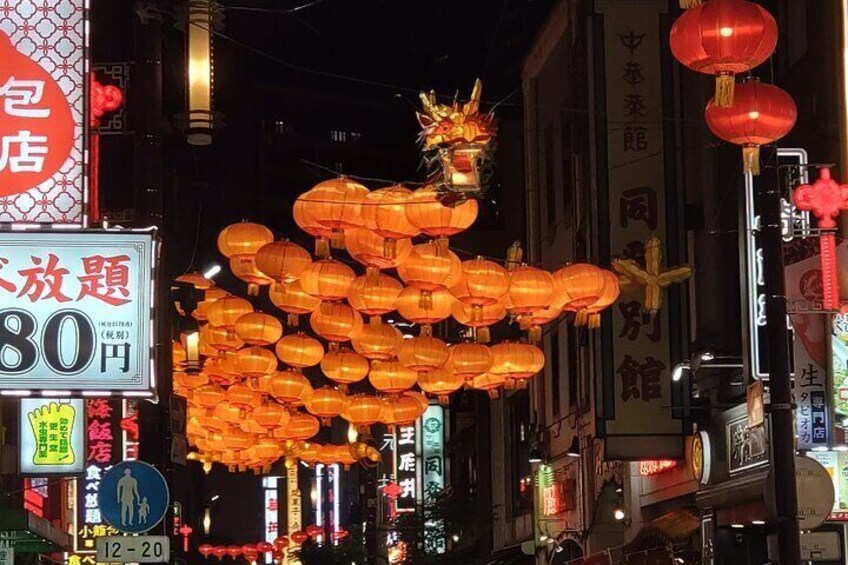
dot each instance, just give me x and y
(425, 101)
(473, 106)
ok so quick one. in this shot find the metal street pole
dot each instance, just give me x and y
(780, 386)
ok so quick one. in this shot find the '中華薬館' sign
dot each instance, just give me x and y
(76, 311)
(43, 97)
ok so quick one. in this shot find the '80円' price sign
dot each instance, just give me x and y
(76, 311)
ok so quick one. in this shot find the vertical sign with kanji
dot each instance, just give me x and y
(43, 98)
(812, 415)
(406, 469)
(104, 437)
(432, 435)
(79, 312)
(272, 508)
(637, 419)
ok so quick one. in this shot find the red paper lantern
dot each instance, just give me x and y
(264, 547)
(298, 537)
(234, 551)
(724, 38)
(281, 543)
(205, 550)
(761, 114)
(248, 548)
(219, 551)
(314, 531)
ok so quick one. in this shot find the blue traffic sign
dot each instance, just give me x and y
(133, 497)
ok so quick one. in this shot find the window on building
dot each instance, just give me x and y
(355, 135)
(281, 126)
(521, 475)
(568, 159)
(338, 136)
(556, 379)
(550, 182)
(572, 346)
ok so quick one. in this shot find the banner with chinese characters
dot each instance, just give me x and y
(432, 435)
(80, 314)
(811, 336)
(52, 436)
(294, 510)
(406, 469)
(105, 448)
(43, 98)
(272, 508)
(636, 418)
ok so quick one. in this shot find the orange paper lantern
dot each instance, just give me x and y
(377, 341)
(293, 300)
(429, 268)
(256, 328)
(426, 212)
(423, 353)
(577, 286)
(243, 238)
(374, 295)
(336, 322)
(530, 289)
(282, 260)
(327, 279)
(225, 312)
(326, 403)
(344, 367)
(384, 213)
(291, 387)
(368, 248)
(391, 376)
(256, 361)
(469, 359)
(440, 383)
(299, 350)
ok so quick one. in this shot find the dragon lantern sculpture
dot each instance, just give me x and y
(458, 143)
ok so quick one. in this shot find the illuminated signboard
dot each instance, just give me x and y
(650, 468)
(43, 98)
(327, 479)
(406, 468)
(103, 430)
(52, 436)
(272, 508)
(836, 464)
(432, 430)
(792, 221)
(78, 312)
(550, 497)
(295, 512)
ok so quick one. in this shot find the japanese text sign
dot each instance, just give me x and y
(103, 431)
(406, 468)
(79, 311)
(43, 81)
(836, 464)
(637, 419)
(433, 462)
(52, 436)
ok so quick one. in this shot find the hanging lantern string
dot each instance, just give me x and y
(366, 179)
(611, 118)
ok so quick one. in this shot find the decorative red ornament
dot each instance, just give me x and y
(724, 38)
(826, 199)
(205, 550)
(234, 551)
(104, 99)
(298, 537)
(248, 548)
(219, 551)
(340, 534)
(761, 114)
(314, 531)
(281, 543)
(264, 547)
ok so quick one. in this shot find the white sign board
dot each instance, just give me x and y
(133, 549)
(7, 556)
(816, 494)
(52, 436)
(819, 546)
(76, 311)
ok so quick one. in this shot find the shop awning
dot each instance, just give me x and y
(670, 528)
(28, 533)
(512, 556)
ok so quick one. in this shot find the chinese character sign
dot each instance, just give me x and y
(80, 310)
(272, 508)
(406, 468)
(433, 462)
(637, 418)
(52, 436)
(43, 46)
(103, 433)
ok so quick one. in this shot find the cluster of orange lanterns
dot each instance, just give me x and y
(245, 412)
(725, 38)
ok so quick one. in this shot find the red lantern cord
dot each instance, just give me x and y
(825, 198)
(103, 99)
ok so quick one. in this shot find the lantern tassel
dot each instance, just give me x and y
(521, 384)
(686, 4)
(751, 159)
(493, 393)
(372, 275)
(426, 330)
(534, 334)
(442, 246)
(483, 335)
(425, 300)
(581, 318)
(338, 240)
(253, 289)
(594, 320)
(292, 320)
(322, 248)
(444, 400)
(389, 248)
(725, 87)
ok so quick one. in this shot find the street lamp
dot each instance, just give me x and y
(201, 21)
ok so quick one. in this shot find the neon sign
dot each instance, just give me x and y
(651, 468)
